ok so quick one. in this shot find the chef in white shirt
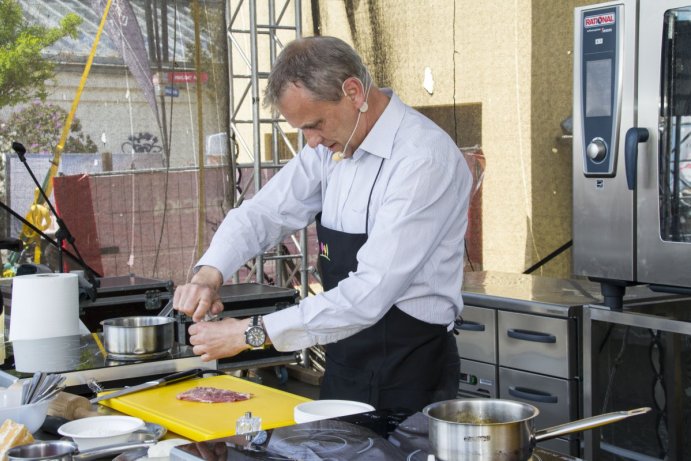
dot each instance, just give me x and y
(389, 192)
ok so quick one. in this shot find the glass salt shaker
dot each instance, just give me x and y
(248, 423)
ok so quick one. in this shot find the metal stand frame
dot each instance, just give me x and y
(248, 22)
(646, 319)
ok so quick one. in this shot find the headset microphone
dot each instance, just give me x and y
(340, 155)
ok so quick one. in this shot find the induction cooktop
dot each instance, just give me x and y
(379, 435)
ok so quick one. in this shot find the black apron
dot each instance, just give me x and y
(400, 361)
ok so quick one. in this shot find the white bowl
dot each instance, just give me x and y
(31, 416)
(325, 409)
(98, 431)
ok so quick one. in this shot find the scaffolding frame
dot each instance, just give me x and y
(246, 25)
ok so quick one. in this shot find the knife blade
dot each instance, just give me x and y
(150, 384)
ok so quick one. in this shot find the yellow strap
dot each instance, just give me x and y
(99, 344)
(55, 163)
(27, 234)
(39, 216)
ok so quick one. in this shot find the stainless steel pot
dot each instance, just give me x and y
(65, 450)
(497, 430)
(138, 337)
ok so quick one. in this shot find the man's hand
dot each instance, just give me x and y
(216, 340)
(200, 295)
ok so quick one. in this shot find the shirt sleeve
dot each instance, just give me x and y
(288, 202)
(421, 206)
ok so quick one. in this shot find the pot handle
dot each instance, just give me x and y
(109, 450)
(586, 424)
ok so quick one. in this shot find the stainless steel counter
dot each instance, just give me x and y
(556, 339)
(541, 295)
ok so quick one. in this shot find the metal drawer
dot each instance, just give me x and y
(554, 397)
(476, 338)
(478, 380)
(534, 343)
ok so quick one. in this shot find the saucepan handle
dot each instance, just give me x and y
(109, 450)
(586, 424)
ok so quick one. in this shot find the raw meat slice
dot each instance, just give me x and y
(209, 394)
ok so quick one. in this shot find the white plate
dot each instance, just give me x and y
(325, 409)
(98, 431)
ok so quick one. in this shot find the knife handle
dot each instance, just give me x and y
(181, 375)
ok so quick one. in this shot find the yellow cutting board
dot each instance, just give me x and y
(205, 421)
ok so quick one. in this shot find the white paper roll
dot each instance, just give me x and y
(49, 355)
(44, 306)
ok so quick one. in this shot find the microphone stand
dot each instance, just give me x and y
(49, 239)
(62, 233)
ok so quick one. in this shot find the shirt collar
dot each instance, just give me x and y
(379, 141)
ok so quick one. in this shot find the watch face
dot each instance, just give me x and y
(255, 336)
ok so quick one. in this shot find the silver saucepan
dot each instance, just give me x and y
(65, 450)
(132, 338)
(497, 430)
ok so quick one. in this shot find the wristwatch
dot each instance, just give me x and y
(255, 334)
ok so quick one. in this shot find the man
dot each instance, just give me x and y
(389, 191)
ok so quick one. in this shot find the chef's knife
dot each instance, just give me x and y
(151, 384)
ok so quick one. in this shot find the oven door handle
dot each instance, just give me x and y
(633, 137)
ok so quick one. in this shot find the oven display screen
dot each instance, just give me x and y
(598, 89)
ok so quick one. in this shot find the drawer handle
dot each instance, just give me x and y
(535, 336)
(471, 326)
(531, 394)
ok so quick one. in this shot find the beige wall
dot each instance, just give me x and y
(512, 59)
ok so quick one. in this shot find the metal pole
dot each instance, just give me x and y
(259, 260)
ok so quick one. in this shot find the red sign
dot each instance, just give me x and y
(186, 77)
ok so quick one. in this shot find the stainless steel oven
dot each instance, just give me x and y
(632, 144)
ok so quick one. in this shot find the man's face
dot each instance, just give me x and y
(327, 123)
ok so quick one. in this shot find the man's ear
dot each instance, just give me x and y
(351, 88)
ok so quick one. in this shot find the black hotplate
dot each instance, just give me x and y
(82, 358)
(71, 353)
(380, 435)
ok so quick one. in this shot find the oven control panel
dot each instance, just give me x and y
(600, 42)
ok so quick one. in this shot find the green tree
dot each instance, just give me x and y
(23, 69)
(38, 126)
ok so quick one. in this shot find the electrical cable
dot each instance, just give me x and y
(128, 98)
(549, 257)
(167, 151)
(455, 117)
(608, 333)
(618, 360)
(519, 123)
(657, 363)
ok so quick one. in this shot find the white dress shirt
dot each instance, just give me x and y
(413, 256)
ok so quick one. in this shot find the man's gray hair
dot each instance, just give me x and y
(319, 64)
